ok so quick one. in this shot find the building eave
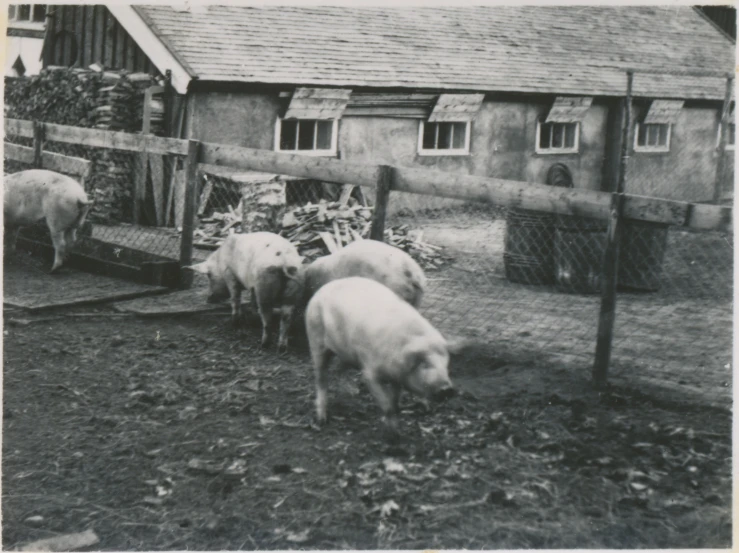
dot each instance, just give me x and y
(152, 45)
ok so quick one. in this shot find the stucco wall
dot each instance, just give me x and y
(502, 145)
(688, 171)
(234, 118)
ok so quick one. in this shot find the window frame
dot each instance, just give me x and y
(728, 145)
(464, 151)
(553, 151)
(332, 152)
(29, 23)
(652, 149)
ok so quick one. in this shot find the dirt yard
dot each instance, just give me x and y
(177, 433)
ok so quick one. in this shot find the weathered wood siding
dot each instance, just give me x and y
(80, 35)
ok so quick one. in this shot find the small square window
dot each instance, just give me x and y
(557, 138)
(652, 137)
(307, 136)
(444, 138)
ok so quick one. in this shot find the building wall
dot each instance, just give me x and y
(688, 171)
(237, 119)
(80, 35)
(502, 144)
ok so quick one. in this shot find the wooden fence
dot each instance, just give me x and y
(614, 207)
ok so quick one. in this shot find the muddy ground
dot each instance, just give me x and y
(179, 433)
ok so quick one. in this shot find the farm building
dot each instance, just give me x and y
(500, 91)
(24, 39)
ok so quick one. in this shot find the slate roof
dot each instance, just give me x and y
(537, 49)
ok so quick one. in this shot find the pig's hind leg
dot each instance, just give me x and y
(60, 249)
(286, 319)
(321, 356)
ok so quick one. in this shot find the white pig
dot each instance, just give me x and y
(386, 264)
(36, 194)
(263, 263)
(366, 325)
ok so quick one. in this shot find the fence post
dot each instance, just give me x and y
(188, 215)
(721, 161)
(38, 144)
(609, 280)
(607, 315)
(377, 232)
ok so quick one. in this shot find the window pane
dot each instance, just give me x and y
(429, 136)
(11, 12)
(641, 136)
(570, 134)
(458, 136)
(39, 12)
(545, 135)
(652, 135)
(306, 130)
(24, 12)
(288, 134)
(663, 135)
(323, 138)
(730, 136)
(557, 135)
(445, 136)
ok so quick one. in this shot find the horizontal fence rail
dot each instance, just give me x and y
(525, 266)
(534, 196)
(49, 160)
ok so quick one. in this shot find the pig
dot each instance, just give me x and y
(266, 265)
(366, 325)
(36, 194)
(386, 264)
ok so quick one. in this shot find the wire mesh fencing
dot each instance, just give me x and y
(138, 196)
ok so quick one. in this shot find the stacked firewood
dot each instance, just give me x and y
(323, 228)
(114, 109)
(214, 229)
(317, 230)
(91, 97)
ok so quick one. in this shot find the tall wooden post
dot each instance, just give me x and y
(384, 176)
(721, 161)
(609, 278)
(188, 216)
(38, 144)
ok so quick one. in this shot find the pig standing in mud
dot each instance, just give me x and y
(265, 264)
(36, 194)
(366, 325)
(386, 264)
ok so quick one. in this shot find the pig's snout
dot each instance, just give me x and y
(444, 393)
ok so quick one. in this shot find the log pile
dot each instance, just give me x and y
(317, 230)
(93, 98)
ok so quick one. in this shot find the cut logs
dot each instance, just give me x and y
(315, 229)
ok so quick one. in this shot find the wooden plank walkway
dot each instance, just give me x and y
(28, 284)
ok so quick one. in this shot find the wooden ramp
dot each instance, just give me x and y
(28, 284)
(183, 302)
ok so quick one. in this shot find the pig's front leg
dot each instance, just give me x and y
(387, 396)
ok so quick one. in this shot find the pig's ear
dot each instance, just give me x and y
(199, 267)
(415, 354)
